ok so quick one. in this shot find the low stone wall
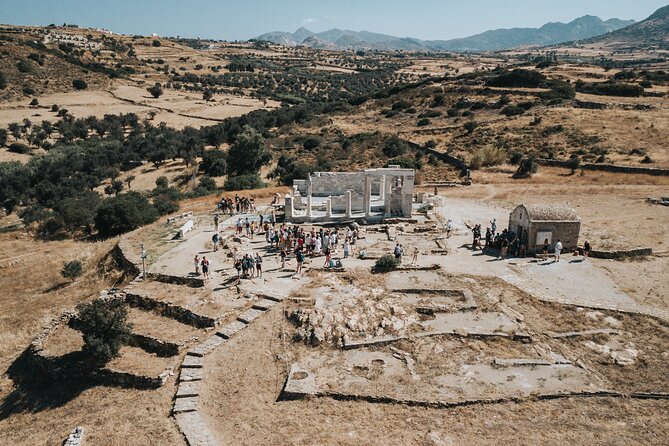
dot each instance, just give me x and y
(193, 282)
(621, 254)
(445, 157)
(158, 347)
(606, 167)
(166, 309)
(55, 368)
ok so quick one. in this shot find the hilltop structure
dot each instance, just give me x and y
(331, 196)
(536, 223)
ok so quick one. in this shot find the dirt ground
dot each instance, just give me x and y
(241, 393)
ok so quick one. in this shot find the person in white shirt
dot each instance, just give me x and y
(558, 249)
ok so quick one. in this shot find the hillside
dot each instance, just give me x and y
(651, 33)
(549, 34)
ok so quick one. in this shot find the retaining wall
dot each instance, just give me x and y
(621, 254)
(606, 167)
(166, 309)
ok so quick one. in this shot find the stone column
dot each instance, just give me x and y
(382, 188)
(349, 197)
(308, 206)
(367, 196)
(289, 209)
(388, 189)
(328, 209)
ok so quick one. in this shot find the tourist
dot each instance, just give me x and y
(247, 225)
(504, 249)
(545, 250)
(253, 229)
(215, 240)
(205, 267)
(398, 253)
(586, 249)
(238, 267)
(259, 265)
(558, 250)
(414, 259)
(196, 263)
(245, 265)
(328, 256)
(493, 226)
(347, 247)
(252, 266)
(216, 222)
(283, 257)
(488, 238)
(300, 259)
(449, 227)
(239, 226)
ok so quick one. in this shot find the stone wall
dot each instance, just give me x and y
(166, 309)
(607, 167)
(566, 232)
(621, 254)
(325, 184)
(149, 344)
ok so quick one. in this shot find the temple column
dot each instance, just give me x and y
(367, 196)
(289, 209)
(328, 209)
(349, 197)
(308, 206)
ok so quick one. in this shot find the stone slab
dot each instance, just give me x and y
(519, 362)
(227, 331)
(264, 304)
(187, 404)
(192, 362)
(188, 389)
(190, 375)
(249, 315)
(206, 347)
(572, 334)
(194, 429)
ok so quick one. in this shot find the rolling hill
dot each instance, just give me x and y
(652, 32)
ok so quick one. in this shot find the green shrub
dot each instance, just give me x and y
(18, 147)
(311, 142)
(470, 126)
(164, 204)
(122, 213)
(104, 325)
(26, 67)
(156, 91)
(526, 168)
(394, 147)
(156, 43)
(513, 110)
(244, 182)
(518, 78)
(214, 163)
(386, 262)
(72, 269)
(401, 105)
(79, 84)
(3, 81)
(423, 122)
(453, 112)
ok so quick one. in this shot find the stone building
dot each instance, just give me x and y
(369, 194)
(536, 223)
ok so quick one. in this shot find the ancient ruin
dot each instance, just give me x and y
(371, 194)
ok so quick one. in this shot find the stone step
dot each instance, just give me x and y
(264, 304)
(227, 331)
(276, 297)
(194, 429)
(188, 388)
(190, 375)
(249, 315)
(187, 404)
(192, 362)
(206, 347)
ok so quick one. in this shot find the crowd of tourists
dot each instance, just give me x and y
(238, 205)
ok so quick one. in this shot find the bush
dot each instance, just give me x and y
(28, 90)
(394, 147)
(526, 168)
(452, 112)
(386, 262)
(26, 67)
(156, 91)
(164, 204)
(423, 122)
(3, 137)
(470, 126)
(573, 163)
(79, 84)
(104, 324)
(18, 147)
(125, 212)
(513, 110)
(3, 81)
(244, 182)
(518, 78)
(207, 183)
(214, 163)
(34, 102)
(162, 182)
(312, 142)
(72, 269)
(248, 153)
(156, 43)
(401, 105)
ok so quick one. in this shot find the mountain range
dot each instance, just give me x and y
(550, 34)
(652, 32)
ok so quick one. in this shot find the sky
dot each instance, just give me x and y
(245, 19)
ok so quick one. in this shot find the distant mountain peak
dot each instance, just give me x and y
(552, 33)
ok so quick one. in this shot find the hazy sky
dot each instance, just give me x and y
(244, 19)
